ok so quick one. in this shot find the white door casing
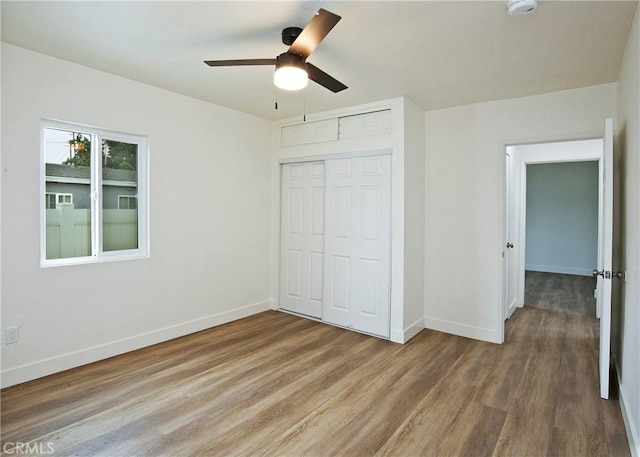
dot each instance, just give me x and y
(302, 238)
(358, 244)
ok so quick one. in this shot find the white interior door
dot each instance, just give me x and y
(357, 243)
(511, 264)
(605, 267)
(302, 238)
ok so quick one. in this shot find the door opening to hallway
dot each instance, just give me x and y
(518, 249)
(561, 247)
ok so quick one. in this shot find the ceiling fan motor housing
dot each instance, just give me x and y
(290, 34)
(287, 59)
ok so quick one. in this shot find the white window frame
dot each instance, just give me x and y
(58, 195)
(97, 253)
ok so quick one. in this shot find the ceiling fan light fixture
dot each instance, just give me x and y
(291, 72)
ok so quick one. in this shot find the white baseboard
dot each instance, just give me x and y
(63, 362)
(633, 434)
(468, 331)
(402, 336)
(559, 269)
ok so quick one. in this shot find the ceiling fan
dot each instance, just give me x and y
(292, 69)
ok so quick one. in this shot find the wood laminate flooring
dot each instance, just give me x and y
(277, 385)
(564, 293)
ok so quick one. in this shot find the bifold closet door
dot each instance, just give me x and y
(357, 244)
(302, 238)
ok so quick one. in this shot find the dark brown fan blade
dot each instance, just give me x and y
(325, 80)
(314, 32)
(239, 62)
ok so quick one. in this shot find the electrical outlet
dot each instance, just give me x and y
(11, 335)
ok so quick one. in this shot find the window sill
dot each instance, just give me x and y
(121, 256)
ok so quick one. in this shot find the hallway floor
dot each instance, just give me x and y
(570, 294)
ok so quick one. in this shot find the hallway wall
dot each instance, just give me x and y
(562, 217)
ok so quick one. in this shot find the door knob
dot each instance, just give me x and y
(609, 274)
(509, 245)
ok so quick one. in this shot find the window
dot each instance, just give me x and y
(64, 198)
(53, 200)
(127, 202)
(49, 200)
(94, 195)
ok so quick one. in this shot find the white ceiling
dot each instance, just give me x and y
(437, 53)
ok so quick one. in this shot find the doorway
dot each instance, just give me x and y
(561, 246)
(518, 160)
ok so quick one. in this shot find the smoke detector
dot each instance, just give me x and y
(519, 7)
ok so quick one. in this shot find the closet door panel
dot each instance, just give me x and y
(340, 282)
(302, 238)
(294, 271)
(370, 271)
(357, 239)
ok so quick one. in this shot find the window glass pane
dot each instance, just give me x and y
(126, 202)
(67, 172)
(65, 198)
(119, 187)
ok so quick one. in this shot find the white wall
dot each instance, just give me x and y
(465, 176)
(414, 194)
(562, 217)
(627, 341)
(209, 215)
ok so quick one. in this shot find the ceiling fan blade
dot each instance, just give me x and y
(325, 80)
(314, 32)
(239, 62)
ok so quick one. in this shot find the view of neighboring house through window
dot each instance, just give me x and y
(126, 202)
(64, 198)
(53, 200)
(49, 200)
(94, 190)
